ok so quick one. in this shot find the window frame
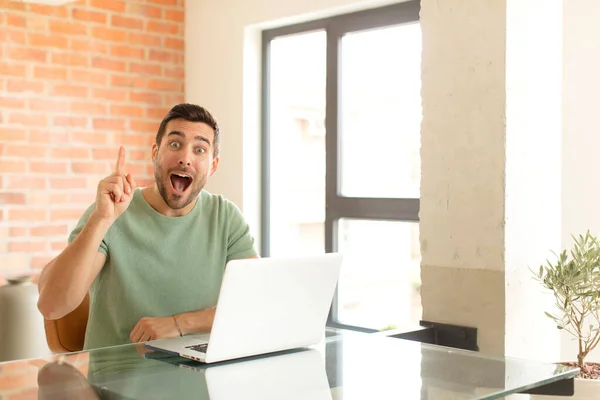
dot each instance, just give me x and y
(336, 205)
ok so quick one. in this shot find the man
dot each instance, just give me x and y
(153, 258)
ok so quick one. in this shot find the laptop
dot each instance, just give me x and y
(265, 305)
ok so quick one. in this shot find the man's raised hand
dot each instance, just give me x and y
(115, 191)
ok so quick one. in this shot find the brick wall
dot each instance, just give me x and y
(76, 82)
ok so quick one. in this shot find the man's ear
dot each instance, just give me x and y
(154, 151)
(215, 164)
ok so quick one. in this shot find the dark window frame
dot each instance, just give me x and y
(337, 206)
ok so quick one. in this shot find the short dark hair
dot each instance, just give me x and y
(192, 113)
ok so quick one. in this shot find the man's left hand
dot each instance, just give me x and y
(153, 328)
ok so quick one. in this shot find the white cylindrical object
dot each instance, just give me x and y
(22, 332)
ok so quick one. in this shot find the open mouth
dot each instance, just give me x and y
(180, 182)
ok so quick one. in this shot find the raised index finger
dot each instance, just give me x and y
(120, 160)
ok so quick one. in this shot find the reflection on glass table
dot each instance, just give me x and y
(343, 366)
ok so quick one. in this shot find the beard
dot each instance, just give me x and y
(177, 202)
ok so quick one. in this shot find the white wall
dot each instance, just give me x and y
(581, 129)
(222, 63)
(222, 42)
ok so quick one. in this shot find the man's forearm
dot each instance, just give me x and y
(65, 281)
(199, 321)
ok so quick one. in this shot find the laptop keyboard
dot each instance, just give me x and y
(201, 348)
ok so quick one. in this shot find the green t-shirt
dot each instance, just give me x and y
(159, 266)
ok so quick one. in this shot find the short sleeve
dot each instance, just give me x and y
(81, 223)
(240, 243)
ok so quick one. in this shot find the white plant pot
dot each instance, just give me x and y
(585, 389)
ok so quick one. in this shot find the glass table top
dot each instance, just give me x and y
(345, 365)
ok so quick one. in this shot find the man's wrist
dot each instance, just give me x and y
(177, 325)
(199, 321)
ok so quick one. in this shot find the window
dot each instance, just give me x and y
(341, 165)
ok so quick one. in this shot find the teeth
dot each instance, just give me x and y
(182, 176)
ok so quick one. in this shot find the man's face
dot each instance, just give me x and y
(184, 161)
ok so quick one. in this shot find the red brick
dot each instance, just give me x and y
(163, 85)
(12, 134)
(13, 166)
(127, 111)
(92, 138)
(25, 150)
(47, 136)
(48, 167)
(110, 94)
(146, 97)
(26, 54)
(75, 153)
(73, 59)
(79, 122)
(89, 16)
(145, 69)
(90, 108)
(9, 102)
(83, 198)
(42, 72)
(113, 35)
(12, 36)
(15, 20)
(46, 198)
(163, 56)
(176, 44)
(126, 22)
(162, 27)
(9, 68)
(105, 154)
(70, 91)
(109, 64)
(49, 230)
(144, 39)
(69, 28)
(12, 198)
(86, 76)
(68, 215)
(18, 231)
(43, 40)
(127, 81)
(88, 46)
(68, 183)
(139, 140)
(112, 5)
(136, 169)
(152, 12)
(58, 246)
(156, 112)
(172, 99)
(132, 8)
(108, 124)
(90, 168)
(27, 119)
(37, 104)
(17, 85)
(164, 2)
(142, 126)
(127, 52)
(174, 15)
(34, 23)
(26, 215)
(24, 182)
(26, 247)
(140, 155)
(49, 11)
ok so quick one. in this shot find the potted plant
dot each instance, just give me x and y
(574, 280)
